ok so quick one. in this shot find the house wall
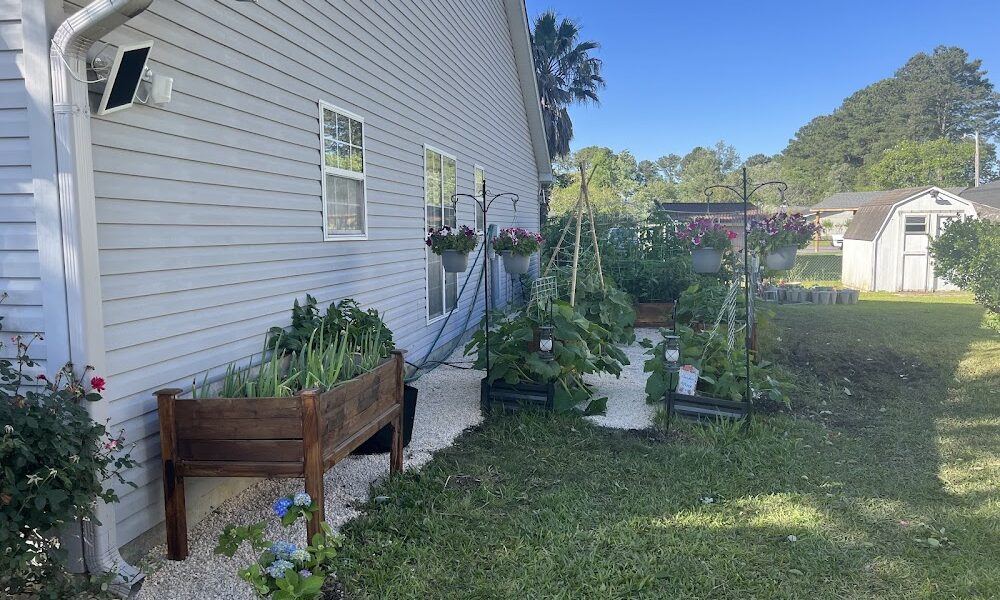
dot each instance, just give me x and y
(209, 208)
(29, 214)
(889, 244)
(856, 271)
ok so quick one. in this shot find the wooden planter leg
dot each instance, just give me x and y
(312, 454)
(173, 480)
(396, 450)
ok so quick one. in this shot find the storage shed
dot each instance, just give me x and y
(886, 248)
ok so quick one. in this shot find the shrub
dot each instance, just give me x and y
(55, 462)
(968, 255)
(284, 571)
(463, 240)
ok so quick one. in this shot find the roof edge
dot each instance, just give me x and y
(520, 37)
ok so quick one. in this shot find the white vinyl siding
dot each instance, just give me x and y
(210, 208)
(345, 209)
(440, 187)
(479, 175)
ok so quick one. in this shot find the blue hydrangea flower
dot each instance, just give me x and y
(278, 568)
(281, 506)
(305, 573)
(299, 555)
(283, 550)
(302, 499)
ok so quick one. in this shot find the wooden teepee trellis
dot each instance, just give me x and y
(582, 202)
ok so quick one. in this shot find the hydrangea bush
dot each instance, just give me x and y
(704, 232)
(463, 240)
(55, 463)
(283, 570)
(518, 241)
(780, 230)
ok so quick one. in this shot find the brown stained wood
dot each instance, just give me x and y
(241, 450)
(396, 450)
(228, 468)
(336, 450)
(313, 463)
(189, 410)
(654, 314)
(173, 479)
(224, 428)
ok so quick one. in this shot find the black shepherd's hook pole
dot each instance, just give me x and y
(744, 192)
(484, 201)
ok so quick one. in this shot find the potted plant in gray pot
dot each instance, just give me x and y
(709, 241)
(453, 246)
(516, 245)
(779, 237)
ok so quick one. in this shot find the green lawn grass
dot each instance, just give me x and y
(892, 491)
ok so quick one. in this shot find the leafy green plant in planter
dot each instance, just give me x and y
(346, 316)
(580, 347)
(610, 308)
(702, 302)
(283, 570)
(55, 462)
(722, 373)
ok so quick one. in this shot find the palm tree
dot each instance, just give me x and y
(566, 73)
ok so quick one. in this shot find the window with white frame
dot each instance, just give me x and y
(345, 211)
(440, 186)
(916, 224)
(477, 191)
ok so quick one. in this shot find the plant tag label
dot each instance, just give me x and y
(687, 380)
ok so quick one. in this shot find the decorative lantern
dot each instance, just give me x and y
(546, 342)
(672, 353)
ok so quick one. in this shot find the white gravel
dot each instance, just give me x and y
(627, 408)
(447, 405)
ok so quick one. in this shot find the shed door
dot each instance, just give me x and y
(916, 273)
(940, 283)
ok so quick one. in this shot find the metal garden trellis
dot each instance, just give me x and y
(743, 191)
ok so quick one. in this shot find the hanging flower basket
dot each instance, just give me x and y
(515, 264)
(516, 245)
(781, 259)
(779, 237)
(454, 261)
(709, 241)
(706, 260)
(453, 246)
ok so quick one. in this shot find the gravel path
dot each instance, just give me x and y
(447, 405)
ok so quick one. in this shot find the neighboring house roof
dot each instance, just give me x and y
(855, 200)
(703, 208)
(869, 219)
(986, 198)
(520, 34)
(846, 201)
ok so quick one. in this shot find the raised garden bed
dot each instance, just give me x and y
(654, 314)
(298, 436)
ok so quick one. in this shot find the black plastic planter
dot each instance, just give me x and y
(510, 397)
(382, 440)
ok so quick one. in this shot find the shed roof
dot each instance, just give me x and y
(703, 208)
(846, 200)
(986, 198)
(869, 219)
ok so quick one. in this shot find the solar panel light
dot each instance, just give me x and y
(546, 342)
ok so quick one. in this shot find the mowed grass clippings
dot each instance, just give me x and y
(881, 482)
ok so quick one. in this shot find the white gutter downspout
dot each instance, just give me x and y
(74, 164)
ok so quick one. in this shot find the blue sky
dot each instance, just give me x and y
(686, 73)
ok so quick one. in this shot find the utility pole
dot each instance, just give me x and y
(977, 159)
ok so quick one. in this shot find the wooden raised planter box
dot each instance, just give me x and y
(654, 314)
(298, 436)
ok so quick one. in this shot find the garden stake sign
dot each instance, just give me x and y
(296, 436)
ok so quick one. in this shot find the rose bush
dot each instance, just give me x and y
(55, 463)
